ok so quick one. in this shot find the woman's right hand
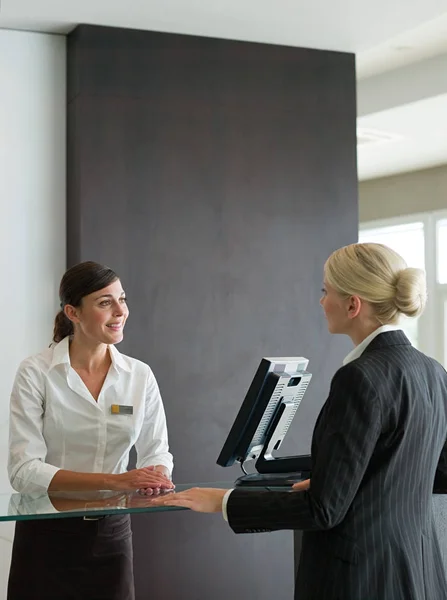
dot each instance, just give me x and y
(138, 479)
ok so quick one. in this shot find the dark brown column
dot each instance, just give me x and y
(215, 177)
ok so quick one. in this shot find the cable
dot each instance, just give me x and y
(243, 468)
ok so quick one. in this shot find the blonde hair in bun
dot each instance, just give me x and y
(380, 276)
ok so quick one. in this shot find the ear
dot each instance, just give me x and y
(72, 313)
(354, 306)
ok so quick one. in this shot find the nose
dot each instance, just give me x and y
(118, 309)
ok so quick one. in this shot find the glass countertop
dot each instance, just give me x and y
(20, 507)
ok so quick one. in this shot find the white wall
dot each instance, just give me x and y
(404, 194)
(32, 212)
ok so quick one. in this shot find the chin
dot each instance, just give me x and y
(333, 328)
(115, 337)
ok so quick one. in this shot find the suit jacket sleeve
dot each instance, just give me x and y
(344, 441)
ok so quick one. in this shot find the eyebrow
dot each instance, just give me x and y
(108, 295)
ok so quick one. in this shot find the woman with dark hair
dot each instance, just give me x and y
(76, 410)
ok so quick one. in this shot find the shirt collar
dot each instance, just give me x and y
(358, 350)
(61, 355)
(118, 360)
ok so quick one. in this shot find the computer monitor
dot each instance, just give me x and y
(262, 423)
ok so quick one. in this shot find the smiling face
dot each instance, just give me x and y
(102, 315)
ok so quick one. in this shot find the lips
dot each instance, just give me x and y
(115, 326)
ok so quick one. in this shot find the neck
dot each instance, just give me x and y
(362, 331)
(88, 356)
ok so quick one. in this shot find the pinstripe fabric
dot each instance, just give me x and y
(367, 517)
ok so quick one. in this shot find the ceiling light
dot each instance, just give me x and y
(373, 136)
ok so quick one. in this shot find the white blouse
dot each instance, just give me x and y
(55, 423)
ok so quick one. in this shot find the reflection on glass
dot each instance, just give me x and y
(15, 507)
(77, 503)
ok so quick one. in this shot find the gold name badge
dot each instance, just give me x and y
(121, 409)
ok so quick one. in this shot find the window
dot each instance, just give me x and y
(441, 258)
(422, 241)
(409, 241)
(445, 333)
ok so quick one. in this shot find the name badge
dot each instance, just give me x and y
(121, 409)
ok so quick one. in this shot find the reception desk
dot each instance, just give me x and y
(223, 571)
(19, 507)
(178, 553)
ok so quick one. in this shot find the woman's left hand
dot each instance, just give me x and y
(301, 486)
(207, 500)
(156, 490)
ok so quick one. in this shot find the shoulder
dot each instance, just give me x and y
(350, 386)
(354, 374)
(352, 392)
(388, 369)
(32, 372)
(433, 370)
(141, 374)
(133, 365)
(398, 359)
(37, 363)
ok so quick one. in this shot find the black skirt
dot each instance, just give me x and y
(72, 559)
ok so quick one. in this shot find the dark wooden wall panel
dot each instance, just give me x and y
(215, 177)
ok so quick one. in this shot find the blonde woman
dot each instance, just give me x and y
(377, 449)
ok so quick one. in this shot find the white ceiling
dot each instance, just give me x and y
(427, 39)
(386, 37)
(418, 125)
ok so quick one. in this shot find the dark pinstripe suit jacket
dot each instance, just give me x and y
(377, 450)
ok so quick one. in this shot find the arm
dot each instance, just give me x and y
(347, 434)
(71, 481)
(28, 472)
(152, 444)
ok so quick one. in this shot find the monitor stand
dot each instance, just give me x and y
(271, 480)
(277, 472)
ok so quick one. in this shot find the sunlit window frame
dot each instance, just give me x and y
(432, 326)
